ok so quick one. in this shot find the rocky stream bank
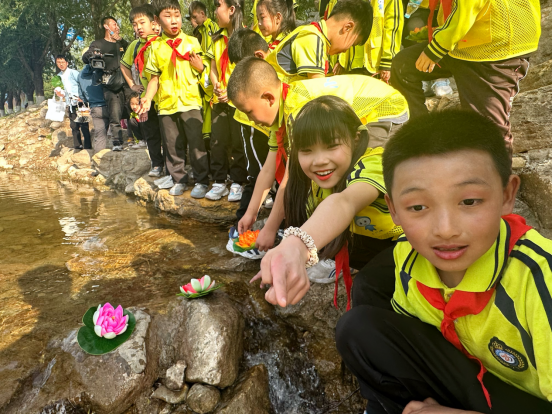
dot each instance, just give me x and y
(230, 352)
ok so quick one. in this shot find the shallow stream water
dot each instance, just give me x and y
(67, 247)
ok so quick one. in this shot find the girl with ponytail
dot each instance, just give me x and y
(333, 203)
(275, 19)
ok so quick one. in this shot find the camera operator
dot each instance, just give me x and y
(105, 54)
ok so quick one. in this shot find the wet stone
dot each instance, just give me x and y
(202, 398)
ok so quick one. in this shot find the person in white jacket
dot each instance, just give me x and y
(70, 91)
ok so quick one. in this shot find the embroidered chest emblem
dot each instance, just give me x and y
(364, 222)
(507, 356)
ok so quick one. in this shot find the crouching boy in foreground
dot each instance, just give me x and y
(469, 321)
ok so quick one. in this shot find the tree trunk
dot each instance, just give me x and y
(29, 91)
(2, 100)
(17, 100)
(38, 82)
(10, 101)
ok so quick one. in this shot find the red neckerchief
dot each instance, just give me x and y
(342, 265)
(273, 44)
(463, 303)
(325, 17)
(224, 62)
(318, 26)
(281, 157)
(139, 60)
(174, 44)
(446, 6)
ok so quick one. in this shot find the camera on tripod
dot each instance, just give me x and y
(97, 60)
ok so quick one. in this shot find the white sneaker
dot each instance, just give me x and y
(167, 184)
(157, 182)
(217, 191)
(235, 193)
(117, 148)
(324, 272)
(441, 87)
(427, 88)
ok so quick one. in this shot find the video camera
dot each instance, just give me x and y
(97, 60)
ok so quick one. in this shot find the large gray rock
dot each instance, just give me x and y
(135, 163)
(108, 162)
(144, 189)
(538, 76)
(250, 395)
(203, 398)
(109, 383)
(535, 190)
(60, 138)
(213, 337)
(531, 120)
(82, 159)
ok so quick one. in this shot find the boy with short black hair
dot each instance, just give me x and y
(481, 46)
(245, 42)
(257, 91)
(143, 21)
(304, 52)
(467, 267)
(176, 70)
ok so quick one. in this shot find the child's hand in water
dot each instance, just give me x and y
(284, 269)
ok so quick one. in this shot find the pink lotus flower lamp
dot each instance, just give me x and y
(109, 322)
(198, 288)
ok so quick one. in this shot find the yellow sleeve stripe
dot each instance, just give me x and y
(152, 72)
(372, 182)
(125, 64)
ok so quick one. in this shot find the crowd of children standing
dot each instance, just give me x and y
(420, 209)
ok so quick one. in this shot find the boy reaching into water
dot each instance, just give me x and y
(467, 267)
(176, 70)
(257, 91)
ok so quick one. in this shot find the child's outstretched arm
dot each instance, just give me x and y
(284, 266)
(262, 185)
(266, 238)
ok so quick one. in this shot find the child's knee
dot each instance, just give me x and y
(357, 328)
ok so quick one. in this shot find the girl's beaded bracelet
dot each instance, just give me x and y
(308, 241)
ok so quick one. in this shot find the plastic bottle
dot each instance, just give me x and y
(412, 7)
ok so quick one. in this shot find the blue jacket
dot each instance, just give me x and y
(90, 87)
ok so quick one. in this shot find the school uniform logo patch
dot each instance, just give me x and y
(364, 222)
(507, 356)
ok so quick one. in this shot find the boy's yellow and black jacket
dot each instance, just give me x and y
(512, 334)
(179, 85)
(384, 41)
(303, 51)
(487, 30)
(374, 220)
(371, 99)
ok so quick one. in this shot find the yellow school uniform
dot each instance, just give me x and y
(384, 41)
(216, 51)
(374, 220)
(178, 86)
(301, 52)
(206, 30)
(512, 335)
(371, 99)
(487, 30)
